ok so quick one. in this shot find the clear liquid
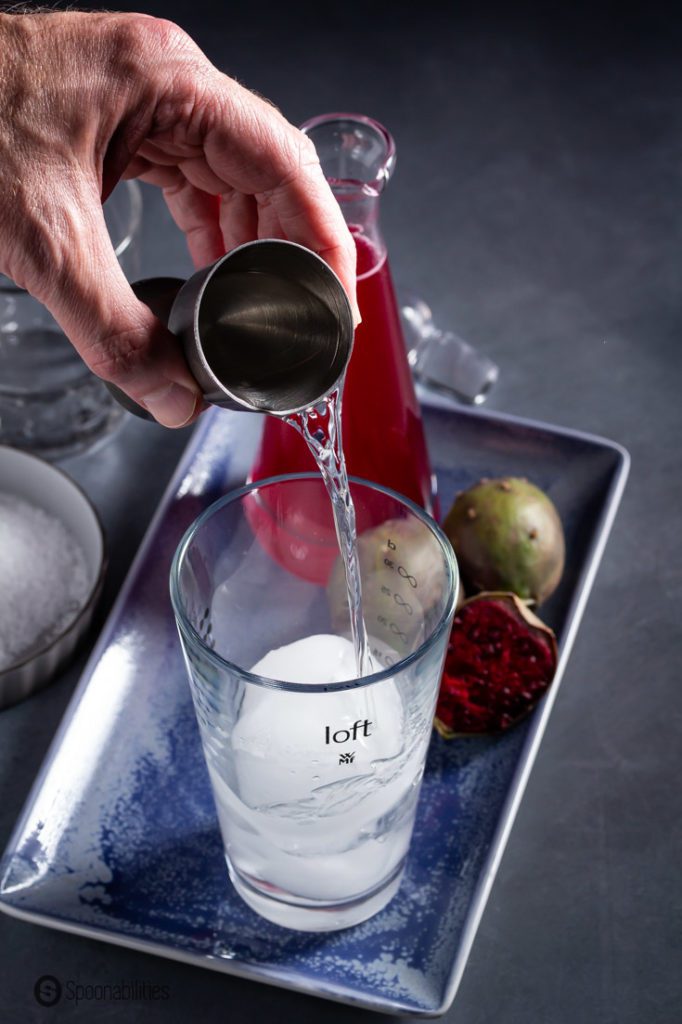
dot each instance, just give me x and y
(321, 429)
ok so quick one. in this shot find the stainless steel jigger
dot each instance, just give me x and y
(267, 328)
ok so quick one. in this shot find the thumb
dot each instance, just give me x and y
(118, 337)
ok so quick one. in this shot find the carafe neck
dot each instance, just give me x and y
(357, 156)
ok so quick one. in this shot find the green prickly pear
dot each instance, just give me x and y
(507, 535)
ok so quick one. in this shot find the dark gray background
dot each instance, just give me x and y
(536, 206)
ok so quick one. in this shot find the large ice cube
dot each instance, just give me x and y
(293, 747)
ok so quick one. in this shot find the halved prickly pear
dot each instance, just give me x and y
(500, 660)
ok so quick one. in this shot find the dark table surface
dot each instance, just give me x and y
(536, 207)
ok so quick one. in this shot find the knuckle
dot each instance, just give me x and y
(165, 63)
(159, 38)
(170, 37)
(127, 37)
(307, 153)
(292, 160)
(140, 45)
(140, 34)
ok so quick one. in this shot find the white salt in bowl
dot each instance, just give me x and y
(33, 480)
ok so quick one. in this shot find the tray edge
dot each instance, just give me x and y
(536, 732)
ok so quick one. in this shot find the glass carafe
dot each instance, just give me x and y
(383, 436)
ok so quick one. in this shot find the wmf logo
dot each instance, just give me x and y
(357, 729)
(47, 990)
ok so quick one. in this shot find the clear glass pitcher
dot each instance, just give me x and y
(383, 436)
(50, 402)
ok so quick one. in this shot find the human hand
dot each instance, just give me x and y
(86, 99)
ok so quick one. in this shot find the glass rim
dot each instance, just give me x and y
(132, 187)
(368, 188)
(186, 628)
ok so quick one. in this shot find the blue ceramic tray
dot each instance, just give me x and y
(119, 839)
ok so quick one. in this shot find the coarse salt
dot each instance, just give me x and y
(44, 579)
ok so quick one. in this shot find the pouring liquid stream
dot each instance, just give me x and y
(320, 427)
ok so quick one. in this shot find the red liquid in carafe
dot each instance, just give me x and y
(383, 437)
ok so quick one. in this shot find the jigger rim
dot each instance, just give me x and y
(345, 336)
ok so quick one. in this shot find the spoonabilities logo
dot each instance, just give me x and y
(47, 990)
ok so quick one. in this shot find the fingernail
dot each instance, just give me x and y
(172, 406)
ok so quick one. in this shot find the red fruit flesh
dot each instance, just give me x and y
(501, 658)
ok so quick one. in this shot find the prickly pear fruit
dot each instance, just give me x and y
(401, 569)
(500, 660)
(507, 535)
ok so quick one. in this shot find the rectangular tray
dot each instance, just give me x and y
(119, 840)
